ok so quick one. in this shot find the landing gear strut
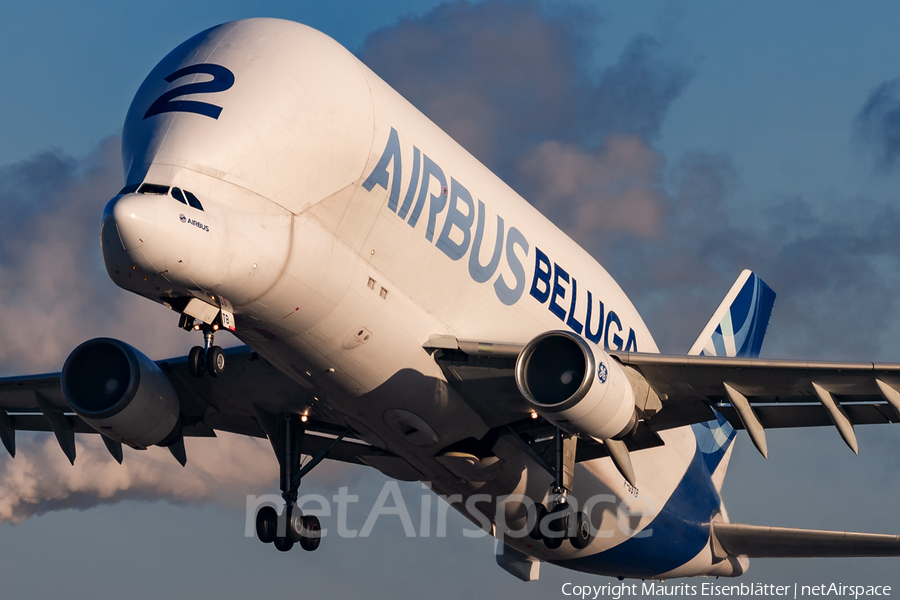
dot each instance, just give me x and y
(562, 522)
(286, 434)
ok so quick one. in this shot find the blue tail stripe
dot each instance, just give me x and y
(677, 534)
(713, 440)
(746, 321)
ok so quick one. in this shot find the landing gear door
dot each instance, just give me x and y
(201, 310)
(227, 314)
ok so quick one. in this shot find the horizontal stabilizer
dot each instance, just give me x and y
(756, 541)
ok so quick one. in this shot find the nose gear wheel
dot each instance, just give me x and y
(207, 358)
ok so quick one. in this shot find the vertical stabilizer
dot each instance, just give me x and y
(738, 326)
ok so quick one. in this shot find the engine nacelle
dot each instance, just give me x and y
(577, 388)
(121, 393)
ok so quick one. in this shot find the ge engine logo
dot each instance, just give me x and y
(602, 373)
(182, 218)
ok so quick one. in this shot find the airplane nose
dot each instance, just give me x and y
(134, 217)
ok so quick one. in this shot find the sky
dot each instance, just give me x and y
(677, 142)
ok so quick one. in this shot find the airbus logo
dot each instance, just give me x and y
(456, 238)
(196, 224)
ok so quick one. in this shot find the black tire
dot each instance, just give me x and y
(558, 524)
(284, 544)
(553, 543)
(582, 535)
(215, 361)
(197, 361)
(535, 532)
(266, 524)
(312, 533)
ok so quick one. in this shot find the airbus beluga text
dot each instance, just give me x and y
(403, 308)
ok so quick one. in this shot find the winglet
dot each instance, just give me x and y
(738, 326)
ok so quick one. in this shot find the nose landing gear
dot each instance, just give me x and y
(207, 358)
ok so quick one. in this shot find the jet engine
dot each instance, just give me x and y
(578, 388)
(121, 393)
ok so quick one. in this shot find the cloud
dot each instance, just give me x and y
(833, 265)
(878, 124)
(615, 189)
(634, 94)
(503, 78)
(53, 288)
(489, 74)
(221, 470)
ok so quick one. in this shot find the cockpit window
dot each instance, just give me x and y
(129, 189)
(176, 193)
(152, 188)
(192, 200)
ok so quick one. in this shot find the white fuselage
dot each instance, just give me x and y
(346, 230)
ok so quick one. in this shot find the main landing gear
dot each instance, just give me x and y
(286, 434)
(207, 358)
(562, 522)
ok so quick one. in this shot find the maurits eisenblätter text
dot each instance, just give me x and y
(620, 590)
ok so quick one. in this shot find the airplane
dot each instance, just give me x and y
(403, 308)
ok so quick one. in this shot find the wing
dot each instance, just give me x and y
(758, 394)
(232, 402)
(751, 394)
